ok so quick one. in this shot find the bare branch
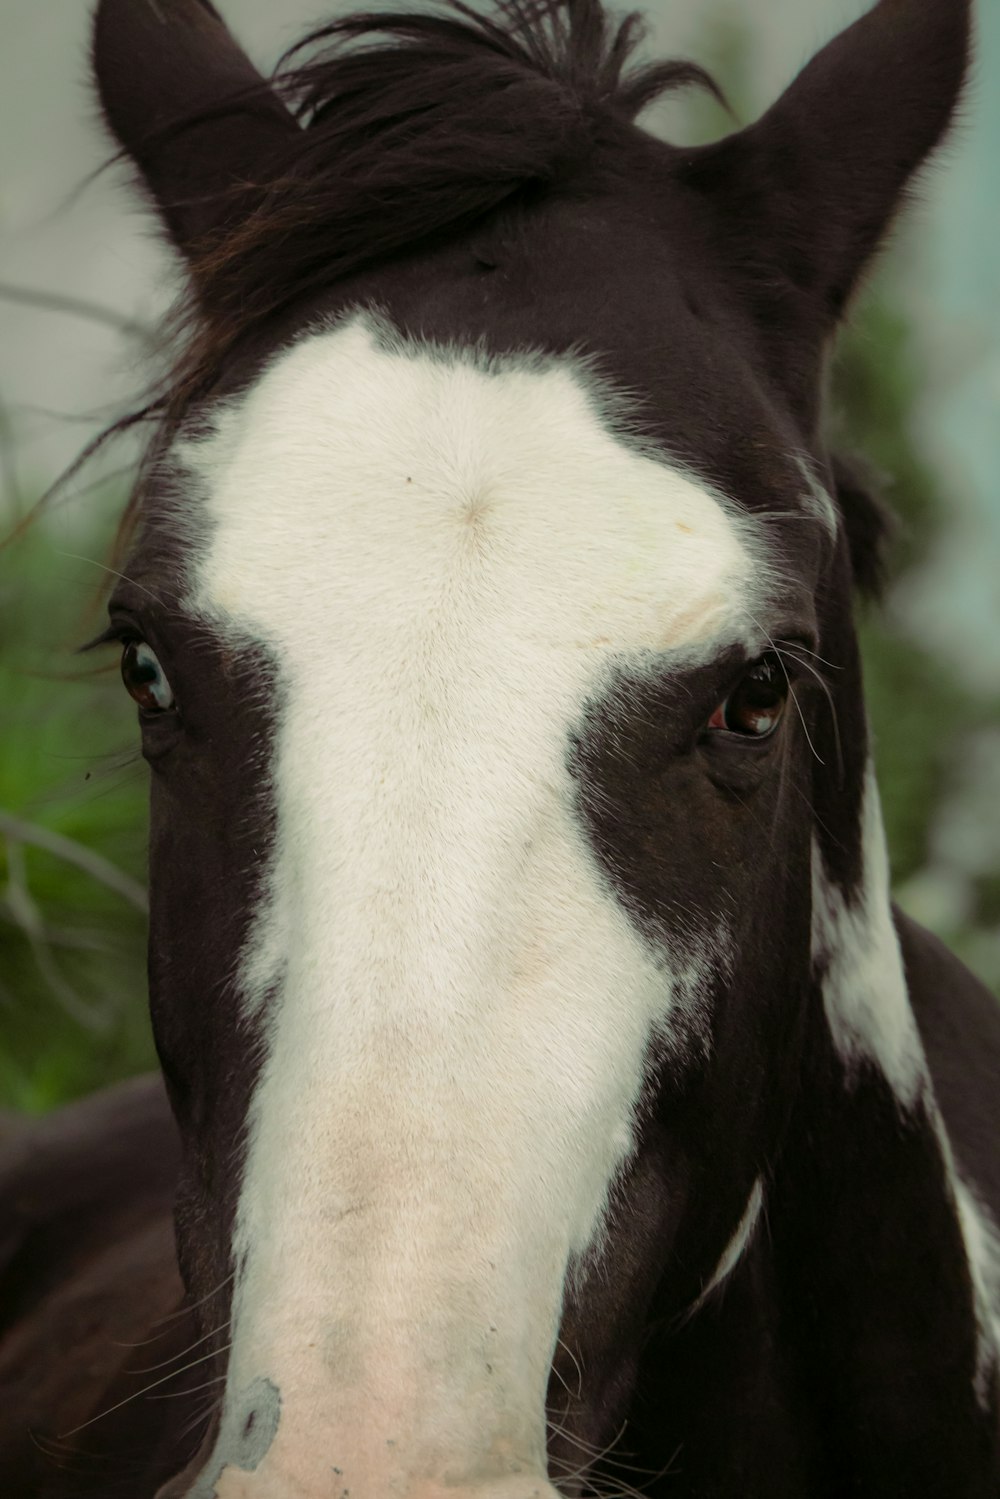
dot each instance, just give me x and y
(10, 483)
(51, 301)
(99, 868)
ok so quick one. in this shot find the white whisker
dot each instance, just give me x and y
(152, 1368)
(78, 557)
(156, 1383)
(791, 691)
(576, 1364)
(182, 1311)
(182, 1394)
(829, 698)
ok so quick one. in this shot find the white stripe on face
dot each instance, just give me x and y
(443, 561)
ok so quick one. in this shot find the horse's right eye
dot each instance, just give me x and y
(754, 709)
(145, 678)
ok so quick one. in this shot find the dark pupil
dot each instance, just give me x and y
(143, 676)
(757, 704)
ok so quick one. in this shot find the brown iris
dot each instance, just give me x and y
(145, 678)
(755, 706)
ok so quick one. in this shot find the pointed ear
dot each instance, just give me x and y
(189, 108)
(802, 198)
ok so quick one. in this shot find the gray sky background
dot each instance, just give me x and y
(97, 244)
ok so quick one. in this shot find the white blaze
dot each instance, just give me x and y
(444, 560)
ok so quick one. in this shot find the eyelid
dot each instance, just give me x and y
(746, 668)
(118, 632)
(792, 670)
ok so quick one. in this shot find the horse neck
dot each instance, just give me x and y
(871, 1280)
(824, 1363)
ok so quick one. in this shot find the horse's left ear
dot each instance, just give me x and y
(803, 197)
(190, 109)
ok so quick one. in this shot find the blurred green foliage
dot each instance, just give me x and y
(921, 717)
(72, 837)
(874, 390)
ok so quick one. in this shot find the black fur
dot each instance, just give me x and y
(480, 181)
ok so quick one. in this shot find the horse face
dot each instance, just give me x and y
(430, 902)
(479, 682)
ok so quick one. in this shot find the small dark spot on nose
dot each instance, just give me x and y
(262, 1403)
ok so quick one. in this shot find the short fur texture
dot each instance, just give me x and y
(547, 1060)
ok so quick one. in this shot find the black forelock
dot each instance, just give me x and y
(418, 126)
(574, 45)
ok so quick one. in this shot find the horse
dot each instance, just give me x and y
(553, 1101)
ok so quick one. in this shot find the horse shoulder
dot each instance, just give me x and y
(87, 1270)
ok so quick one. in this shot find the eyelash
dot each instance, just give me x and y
(118, 632)
(802, 663)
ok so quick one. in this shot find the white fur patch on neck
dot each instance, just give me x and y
(865, 996)
(982, 1245)
(445, 560)
(982, 1251)
(870, 1017)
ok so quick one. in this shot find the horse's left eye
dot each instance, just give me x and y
(145, 678)
(755, 707)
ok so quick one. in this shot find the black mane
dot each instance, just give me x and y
(420, 125)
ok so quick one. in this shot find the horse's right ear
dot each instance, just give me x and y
(190, 109)
(801, 200)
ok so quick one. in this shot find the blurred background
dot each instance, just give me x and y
(83, 280)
